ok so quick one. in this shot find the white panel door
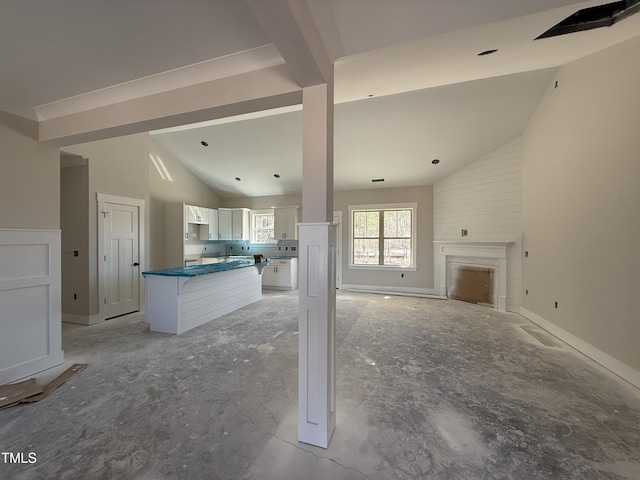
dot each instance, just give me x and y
(122, 264)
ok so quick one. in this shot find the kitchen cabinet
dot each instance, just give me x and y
(209, 231)
(198, 215)
(181, 236)
(180, 299)
(233, 224)
(173, 218)
(240, 224)
(281, 274)
(285, 220)
(225, 219)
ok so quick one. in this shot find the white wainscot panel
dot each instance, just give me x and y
(24, 319)
(30, 319)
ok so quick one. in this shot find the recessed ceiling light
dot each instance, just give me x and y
(435, 161)
(276, 175)
(487, 52)
(238, 179)
(204, 144)
(374, 180)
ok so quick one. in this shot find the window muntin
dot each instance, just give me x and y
(382, 237)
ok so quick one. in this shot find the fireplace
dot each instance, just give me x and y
(471, 283)
(473, 271)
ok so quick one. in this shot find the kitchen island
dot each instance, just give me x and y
(182, 298)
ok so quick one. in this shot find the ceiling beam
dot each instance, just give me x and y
(250, 92)
(290, 26)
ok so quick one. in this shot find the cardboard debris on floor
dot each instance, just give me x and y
(29, 391)
(13, 394)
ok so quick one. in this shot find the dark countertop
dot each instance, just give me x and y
(196, 270)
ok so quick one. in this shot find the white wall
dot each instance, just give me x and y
(30, 182)
(257, 203)
(581, 195)
(74, 223)
(117, 166)
(418, 281)
(171, 182)
(123, 166)
(485, 198)
(30, 326)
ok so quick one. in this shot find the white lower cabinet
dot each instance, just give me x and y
(282, 274)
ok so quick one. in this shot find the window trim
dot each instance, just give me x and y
(379, 207)
(264, 211)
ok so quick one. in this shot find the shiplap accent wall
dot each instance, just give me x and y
(486, 199)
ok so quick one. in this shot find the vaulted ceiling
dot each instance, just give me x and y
(409, 83)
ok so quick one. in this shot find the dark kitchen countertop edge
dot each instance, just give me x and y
(197, 270)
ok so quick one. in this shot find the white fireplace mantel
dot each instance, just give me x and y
(494, 253)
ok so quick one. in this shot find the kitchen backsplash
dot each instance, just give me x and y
(284, 248)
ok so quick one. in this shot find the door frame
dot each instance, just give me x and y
(339, 253)
(132, 202)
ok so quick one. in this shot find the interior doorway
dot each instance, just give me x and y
(120, 254)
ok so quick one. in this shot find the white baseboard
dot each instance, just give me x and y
(617, 367)
(413, 292)
(81, 319)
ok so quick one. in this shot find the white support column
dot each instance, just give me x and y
(317, 153)
(317, 250)
(317, 328)
(292, 28)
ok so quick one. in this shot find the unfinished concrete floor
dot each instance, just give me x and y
(427, 389)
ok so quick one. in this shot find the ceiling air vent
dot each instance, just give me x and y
(594, 17)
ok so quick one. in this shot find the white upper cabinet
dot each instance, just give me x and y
(233, 223)
(285, 222)
(225, 220)
(209, 231)
(197, 214)
(240, 223)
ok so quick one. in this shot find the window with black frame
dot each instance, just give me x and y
(382, 237)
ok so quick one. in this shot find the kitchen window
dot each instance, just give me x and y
(382, 236)
(262, 226)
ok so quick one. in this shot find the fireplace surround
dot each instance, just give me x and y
(475, 254)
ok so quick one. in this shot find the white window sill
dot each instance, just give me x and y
(382, 268)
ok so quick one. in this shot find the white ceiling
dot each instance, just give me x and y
(409, 84)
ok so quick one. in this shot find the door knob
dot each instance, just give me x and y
(136, 264)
